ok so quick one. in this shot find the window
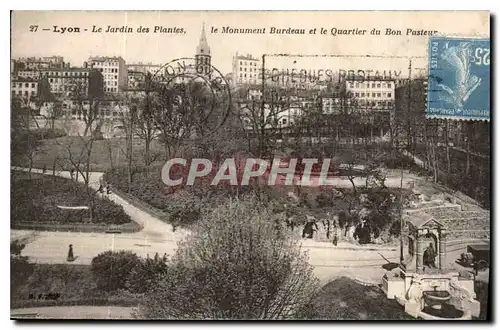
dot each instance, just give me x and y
(389, 95)
(351, 85)
(378, 94)
(32, 93)
(284, 121)
(357, 85)
(384, 85)
(33, 85)
(389, 85)
(356, 94)
(362, 94)
(378, 85)
(373, 94)
(373, 85)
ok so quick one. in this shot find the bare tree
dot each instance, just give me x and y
(87, 104)
(79, 158)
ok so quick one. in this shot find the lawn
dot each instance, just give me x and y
(345, 299)
(106, 154)
(35, 202)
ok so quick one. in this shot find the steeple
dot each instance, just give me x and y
(203, 48)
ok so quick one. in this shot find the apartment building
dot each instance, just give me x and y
(113, 70)
(377, 95)
(246, 69)
(63, 82)
(24, 88)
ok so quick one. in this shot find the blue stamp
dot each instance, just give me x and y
(459, 78)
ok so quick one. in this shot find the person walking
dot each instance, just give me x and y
(108, 189)
(71, 257)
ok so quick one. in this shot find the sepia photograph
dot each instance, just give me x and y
(250, 165)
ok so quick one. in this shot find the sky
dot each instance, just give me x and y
(160, 48)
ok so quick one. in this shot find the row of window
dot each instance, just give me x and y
(26, 93)
(335, 103)
(62, 80)
(26, 85)
(373, 85)
(250, 75)
(363, 94)
(114, 63)
(250, 69)
(67, 74)
(251, 63)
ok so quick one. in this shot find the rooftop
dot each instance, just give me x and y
(245, 57)
(105, 58)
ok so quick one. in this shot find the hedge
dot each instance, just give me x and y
(35, 201)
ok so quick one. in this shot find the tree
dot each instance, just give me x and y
(237, 264)
(79, 157)
(87, 104)
(261, 117)
(111, 269)
(24, 143)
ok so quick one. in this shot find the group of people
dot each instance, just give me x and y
(101, 189)
(311, 226)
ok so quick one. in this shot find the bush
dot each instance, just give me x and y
(237, 264)
(144, 276)
(111, 269)
(20, 268)
(48, 133)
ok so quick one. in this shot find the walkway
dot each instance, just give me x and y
(158, 237)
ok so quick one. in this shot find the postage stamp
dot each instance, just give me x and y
(459, 78)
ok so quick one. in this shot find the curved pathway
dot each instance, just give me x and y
(158, 237)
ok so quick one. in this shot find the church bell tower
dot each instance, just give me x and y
(203, 57)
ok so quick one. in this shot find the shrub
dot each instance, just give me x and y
(111, 269)
(237, 264)
(144, 276)
(20, 268)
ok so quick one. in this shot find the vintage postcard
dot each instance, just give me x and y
(245, 165)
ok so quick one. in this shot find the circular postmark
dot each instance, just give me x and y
(190, 97)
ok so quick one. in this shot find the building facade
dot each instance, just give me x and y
(68, 81)
(24, 88)
(113, 70)
(246, 69)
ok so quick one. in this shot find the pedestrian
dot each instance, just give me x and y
(72, 173)
(44, 169)
(71, 257)
(108, 189)
(101, 189)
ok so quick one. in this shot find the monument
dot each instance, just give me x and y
(423, 283)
